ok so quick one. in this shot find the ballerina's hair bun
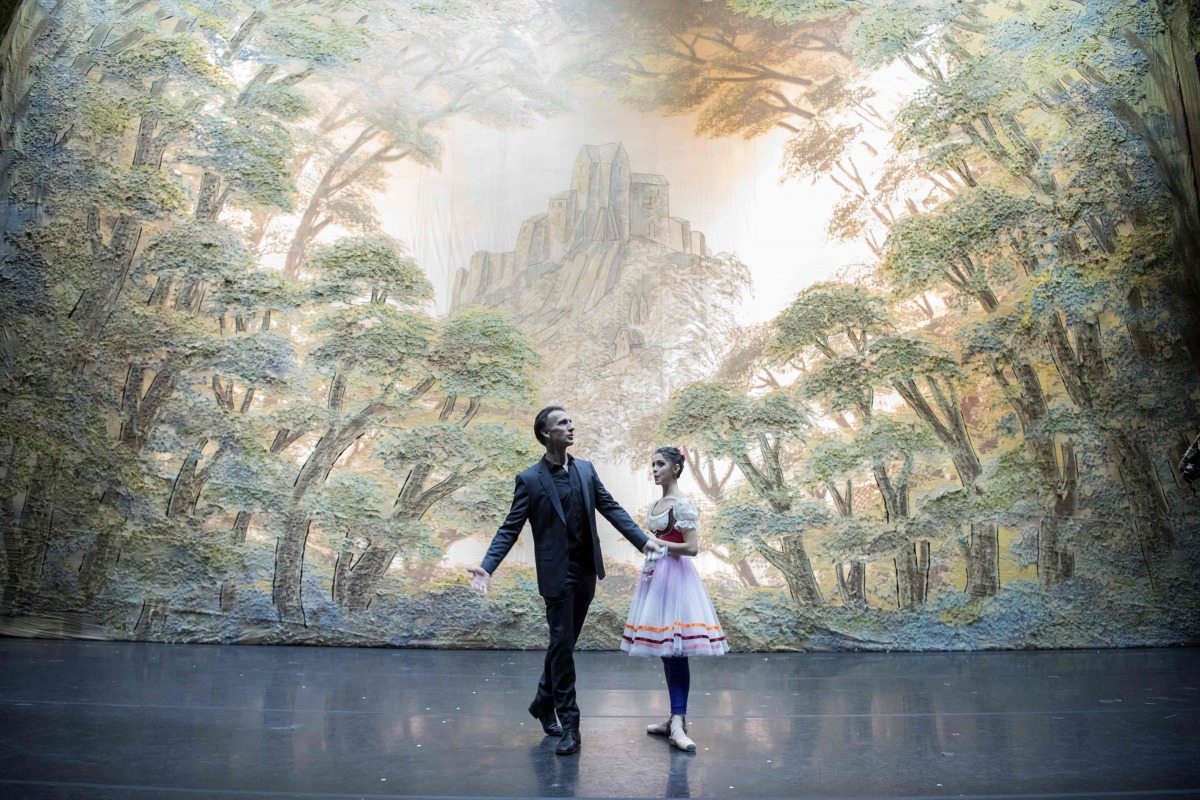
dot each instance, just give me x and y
(673, 455)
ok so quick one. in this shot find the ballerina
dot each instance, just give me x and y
(671, 615)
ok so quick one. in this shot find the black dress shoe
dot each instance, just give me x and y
(549, 722)
(568, 744)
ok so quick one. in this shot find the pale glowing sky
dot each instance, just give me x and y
(492, 180)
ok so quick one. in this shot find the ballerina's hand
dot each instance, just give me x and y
(480, 578)
(655, 549)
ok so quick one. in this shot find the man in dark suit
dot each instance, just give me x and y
(559, 496)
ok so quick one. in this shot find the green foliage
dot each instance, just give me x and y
(822, 314)
(885, 32)
(499, 448)
(482, 353)
(726, 423)
(375, 266)
(831, 459)
(143, 191)
(375, 339)
(350, 506)
(861, 538)
(210, 252)
(181, 56)
(253, 153)
(792, 11)
(261, 359)
(257, 291)
(965, 242)
(328, 42)
(911, 357)
(844, 383)
(746, 517)
(887, 438)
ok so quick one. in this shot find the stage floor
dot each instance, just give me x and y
(132, 721)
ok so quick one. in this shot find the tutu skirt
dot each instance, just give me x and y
(671, 614)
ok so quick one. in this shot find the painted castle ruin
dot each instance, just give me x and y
(583, 233)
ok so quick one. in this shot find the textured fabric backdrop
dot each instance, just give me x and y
(913, 284)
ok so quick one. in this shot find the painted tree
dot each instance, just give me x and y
(374, 345)
(907, 452)
(484, 64)
(479, 356)
(835, 328)
(1040, 98)
(117, 122)
(966, 250)
(382, 359)
(831, 466)
(756, 434)
(737, 74)
(1067, 227)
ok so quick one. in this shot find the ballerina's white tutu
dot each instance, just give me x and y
(671, 614)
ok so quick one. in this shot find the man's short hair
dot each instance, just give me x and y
(539, 422)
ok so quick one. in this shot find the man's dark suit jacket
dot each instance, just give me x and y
(536, 500)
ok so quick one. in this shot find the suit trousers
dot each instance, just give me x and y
(565, 615)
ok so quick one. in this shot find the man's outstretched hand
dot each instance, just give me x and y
(479, 579)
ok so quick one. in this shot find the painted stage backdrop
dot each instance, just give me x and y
(913, 284)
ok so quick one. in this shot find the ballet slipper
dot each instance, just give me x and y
(679, 737)
(660, 728)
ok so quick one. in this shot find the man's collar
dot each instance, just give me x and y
(551, 465)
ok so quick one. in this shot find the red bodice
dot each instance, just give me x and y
(673, 535)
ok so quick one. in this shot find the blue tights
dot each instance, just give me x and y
(679, 680)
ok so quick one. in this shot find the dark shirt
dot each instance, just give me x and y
(570, 496)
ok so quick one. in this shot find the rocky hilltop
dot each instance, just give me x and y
(578, 243)
(624, 301)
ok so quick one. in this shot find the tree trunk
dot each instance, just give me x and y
(1082, 370)
(289, 567)
(792, 560)
(1142, 342)
(99, 563)
(140, 411)
(355, 581)
(17, 53)
(306, 229)
(852, 587)
(1056, 561)
(289, 551)
(337, 392)
(912, 575)
(185, 493)
(228, 595)
(319, 463)
(983, 560)
(1056, 557)
(1147, 505)
(208, 206)
(240, 525)
(25, 545)
(112, 262)
(950, 429)
(745, 572)
(151, 619)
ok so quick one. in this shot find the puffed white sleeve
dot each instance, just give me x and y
(686, 514)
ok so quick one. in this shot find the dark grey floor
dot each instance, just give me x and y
(135, 721)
